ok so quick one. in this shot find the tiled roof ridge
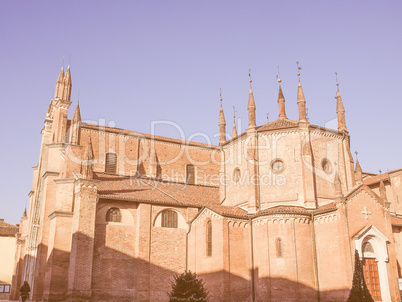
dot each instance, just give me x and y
(278, 124)
(279, 209)
(146, 135)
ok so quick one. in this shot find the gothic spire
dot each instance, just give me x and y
(67, 85)
(25, 213)
(340, 111)
(281, 102)
(358, 172)
(251, 107)
(59, 85)
(222, 124)
(77, 114)
(75, 126)
(234, 130)
(301, 102)
(383, 191)
(87, 168)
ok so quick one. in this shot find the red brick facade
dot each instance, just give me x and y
(114, 214)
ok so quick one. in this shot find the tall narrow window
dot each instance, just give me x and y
(111, 163)
(169, 219)
(279, 248)
(113, 215)
(209, 238)
(190, 174)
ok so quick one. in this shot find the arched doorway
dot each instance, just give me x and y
(370, 271)
(372, 247)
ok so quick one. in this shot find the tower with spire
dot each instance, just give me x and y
(301, 101)
(222, 124)
(251, 107)
(340, 109)
(56, 117)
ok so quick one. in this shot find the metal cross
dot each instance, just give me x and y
(267, 116)
(234, 112)
(366, 213)
(220, 95)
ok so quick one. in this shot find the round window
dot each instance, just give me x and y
(277, 166)
(326, 166)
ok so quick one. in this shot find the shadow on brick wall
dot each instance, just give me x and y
(119, 277)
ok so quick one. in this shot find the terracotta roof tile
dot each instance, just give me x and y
(160, 192)
(278, 124)
(230, 211)
(155, 191)
(376, 179)
(396, 220)
(7, 229)
(145, 135)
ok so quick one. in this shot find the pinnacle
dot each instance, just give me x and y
(234, 131)
(77, 114)
(89, 153)
(358, 167)
(281, 102)
(251, 103)
(221, 117)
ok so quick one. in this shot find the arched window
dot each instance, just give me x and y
(236, 175)
(279, 248)
(368, 248)
(111, 163)
(209, 238)
(113, 215)
(169, 219)
(190, 174)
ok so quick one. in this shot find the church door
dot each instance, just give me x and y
(370, 270)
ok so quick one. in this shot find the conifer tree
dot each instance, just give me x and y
(188, 287)
(359, 292)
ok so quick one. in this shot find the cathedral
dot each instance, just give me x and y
(272, 214)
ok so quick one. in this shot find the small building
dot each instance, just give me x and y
(8, 234)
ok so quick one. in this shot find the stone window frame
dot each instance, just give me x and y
(279, 247)
(277, 160)
(208, 238)
(115, 217)
(236, 175)
(192, 180)
(324, 162)
(169, 219)
(110, 168)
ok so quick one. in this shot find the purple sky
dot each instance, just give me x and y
(133, 62)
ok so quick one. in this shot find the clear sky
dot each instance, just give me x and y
(134, 62)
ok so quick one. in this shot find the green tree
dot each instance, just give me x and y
(359, 292)
(188, 287)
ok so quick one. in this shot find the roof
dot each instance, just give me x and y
(233, 211)
(396, 220)
(145, 135)
(278, 124)
(155, 191)
(7, 230)
(146, 190)
(376, 179)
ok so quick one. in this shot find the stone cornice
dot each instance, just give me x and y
(60, 214)
(64, 180)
